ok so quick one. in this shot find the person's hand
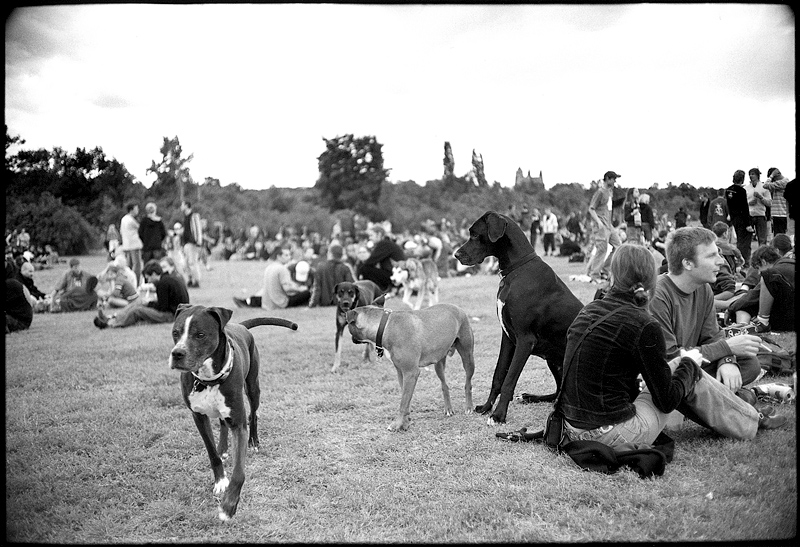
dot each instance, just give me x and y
(729, 374)
(744, 345)
(695, 355)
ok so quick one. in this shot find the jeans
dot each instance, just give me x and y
(192, 255)
(711, 405)
(134, 259)
(138, 312)
(760, 227)
(597, 259)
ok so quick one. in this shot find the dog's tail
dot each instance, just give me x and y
(265, 321)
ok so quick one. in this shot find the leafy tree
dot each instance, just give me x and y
(449, 161)
(351, 175)
(49, 221)
(477, 167)
(173, 180)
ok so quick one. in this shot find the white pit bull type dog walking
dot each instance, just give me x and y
(414, 339)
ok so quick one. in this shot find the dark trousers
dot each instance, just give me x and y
(760, 228)
(779, 225)
(744, 238)
(379, 276)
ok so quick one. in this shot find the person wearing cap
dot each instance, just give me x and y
(329, 274)
(131, 242)
(278, 290)
(303, 274)
(600, 210)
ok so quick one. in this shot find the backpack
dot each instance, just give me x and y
(776, 359)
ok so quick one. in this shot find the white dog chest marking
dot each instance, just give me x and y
(210, 402)
(500, 305)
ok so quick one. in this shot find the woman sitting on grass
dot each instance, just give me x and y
(601, 400)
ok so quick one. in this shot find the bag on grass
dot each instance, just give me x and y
(554, 434)
(776, 359)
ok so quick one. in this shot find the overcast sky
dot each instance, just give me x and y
(657, 93)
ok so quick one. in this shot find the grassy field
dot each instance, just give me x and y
(100, 449)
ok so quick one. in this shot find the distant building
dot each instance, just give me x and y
(529, 183)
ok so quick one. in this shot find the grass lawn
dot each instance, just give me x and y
(100, 449)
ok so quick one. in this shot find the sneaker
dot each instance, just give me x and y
(771, 422)
(102, 316)
(747, 395)
(240, 302)
(759, 326)
(100, 324)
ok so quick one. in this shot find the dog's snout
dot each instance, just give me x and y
(178, 353)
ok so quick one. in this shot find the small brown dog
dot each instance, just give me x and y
(348, 297)
(414, 339)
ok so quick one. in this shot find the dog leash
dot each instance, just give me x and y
(381, 328)
(221, 376)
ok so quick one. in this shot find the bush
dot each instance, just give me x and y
(49, 221)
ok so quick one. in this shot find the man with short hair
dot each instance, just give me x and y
(776, 185)
(600, 210)
(153, 234)
(758, 199)
(683, 303)
(131, 242)
(169, 295)
(278, 290)
(739, 211)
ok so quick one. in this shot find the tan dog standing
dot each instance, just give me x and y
(414, 339)
(421, 275)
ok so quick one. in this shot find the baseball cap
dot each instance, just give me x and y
(301, 271)
(74, 261)
(611, 175)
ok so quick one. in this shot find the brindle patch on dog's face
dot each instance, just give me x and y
(196, 335)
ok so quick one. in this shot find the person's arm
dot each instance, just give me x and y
(667, 389)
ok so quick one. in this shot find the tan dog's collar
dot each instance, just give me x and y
(379, 335)
(222, 375)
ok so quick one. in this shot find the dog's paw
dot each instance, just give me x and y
(221, 485)
(449, 412)
(483, 409)
(493, 421)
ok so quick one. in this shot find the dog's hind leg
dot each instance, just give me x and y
(439, 367)
(465, 347)
(203, 424)
(253, 390)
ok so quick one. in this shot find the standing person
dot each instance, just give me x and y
(131, 242)
(153, 234)
(718, 210)
(549, 229)
(112, 241)
(191, 240)
(739, 211)
(758, 199)
(601, 400)
(536, 226)
(632, 214)
(681, 218)
(704, 206)
(600, 210)
(278, 290)
(525, 218)
(683, 303)
(648, 218)
(776, 185)
(329, 274)
(574, 227)
(169, 295)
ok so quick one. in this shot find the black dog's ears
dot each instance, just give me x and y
(497, 226)
(182, 307)
(223, 315)
(380, 301)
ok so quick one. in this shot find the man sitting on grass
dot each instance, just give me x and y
(683, 303)
(169, 295)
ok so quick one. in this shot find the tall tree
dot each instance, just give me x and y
(449, 162)
(173, 179)
(477, 166)
(351, 175)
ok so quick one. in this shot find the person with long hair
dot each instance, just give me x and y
(632, 214)
(601, 398)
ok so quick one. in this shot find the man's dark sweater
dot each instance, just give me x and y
(170, 293)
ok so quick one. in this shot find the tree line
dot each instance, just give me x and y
(69, 199)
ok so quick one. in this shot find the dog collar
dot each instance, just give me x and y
(221, 375)
(514, 265)
(379, 336)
